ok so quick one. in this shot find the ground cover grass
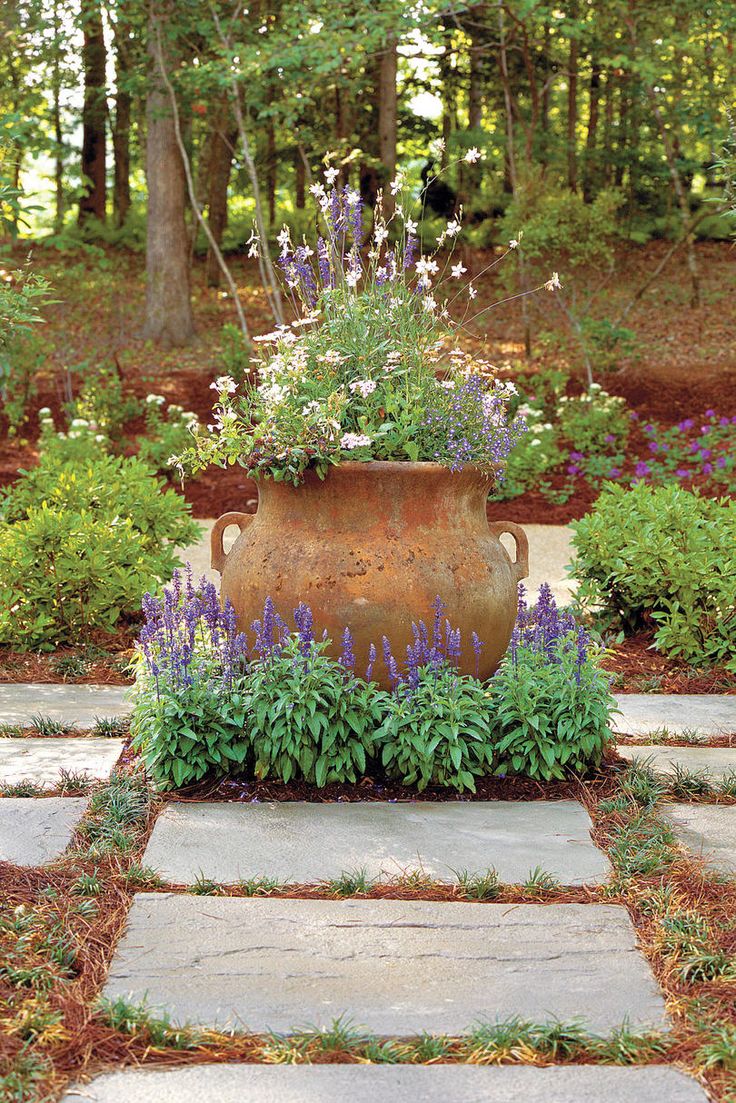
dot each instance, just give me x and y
(59, 926)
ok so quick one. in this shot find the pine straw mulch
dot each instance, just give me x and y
(59, 1028)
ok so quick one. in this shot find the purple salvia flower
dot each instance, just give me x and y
(347, 658)
(371, 662)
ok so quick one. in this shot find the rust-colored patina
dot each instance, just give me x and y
(371, 547)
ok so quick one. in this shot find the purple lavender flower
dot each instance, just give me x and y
(573, 469)
(410, 249)
(642, 470)
(721, 461)
(682, 472)
(707, 468)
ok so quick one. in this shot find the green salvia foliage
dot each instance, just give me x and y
(546, 724)
(310, 719)
(439, 733)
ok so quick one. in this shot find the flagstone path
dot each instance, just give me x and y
(713, 762)
(35, 830)
(77, 706)
(42, 760)
(391, 1083)
(394, 966)
(698, 715)
(287, 842)
(707, 830)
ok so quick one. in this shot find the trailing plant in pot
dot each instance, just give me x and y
(374, 442)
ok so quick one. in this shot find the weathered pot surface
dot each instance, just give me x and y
(370, 547)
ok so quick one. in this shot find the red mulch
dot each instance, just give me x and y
(637, 663)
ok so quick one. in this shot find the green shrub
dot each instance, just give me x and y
(80, 542)
(65, 573)
(188, 735)
(309, 717)
(438, 733)
(666, 555)
(109, 487)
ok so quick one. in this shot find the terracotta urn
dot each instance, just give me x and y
(370, 547)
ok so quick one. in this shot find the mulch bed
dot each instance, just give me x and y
(640, 669)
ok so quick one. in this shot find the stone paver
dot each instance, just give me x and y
(549, 555)
(35, 830)
(396, 967)
(389, 1083)
(41, 760)
(716, 762)
(708, 830)
(77, 706)
(286, 841)
(704, 714)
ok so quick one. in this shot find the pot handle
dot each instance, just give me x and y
(218, 555)
(519, 566)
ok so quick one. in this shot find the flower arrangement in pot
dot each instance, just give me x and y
(374, 441)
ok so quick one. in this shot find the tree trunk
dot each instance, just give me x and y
(387, 107)
(221, 160)
(590, 166)
(300, 181)
(271, 165)
(94, 113)
(121, 125)
(607, 155)
(58, 133)
(511, 166)
(168, 306)
(572, 115)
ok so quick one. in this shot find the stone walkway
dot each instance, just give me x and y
(77, 706)
(286, 842)
(706, 830)
(35, 830)
(42, 760)
(696, 715)
(394, 967)
(391, 1084)
(712, 762)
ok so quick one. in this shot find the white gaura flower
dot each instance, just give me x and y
(472, 155)
(516, 241)
(352, 197)
(283, 238)
(411, 226)
(425, 267)
(458, 270)
(331, 175)
(352, 277)
(453, 228)
(472, 293)
(317, 190)
(224, 384)
(553, 283)
(429, 303)
(253, 242)
(397, 183)
(355, 440)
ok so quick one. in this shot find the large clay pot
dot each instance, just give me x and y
(371, 547)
